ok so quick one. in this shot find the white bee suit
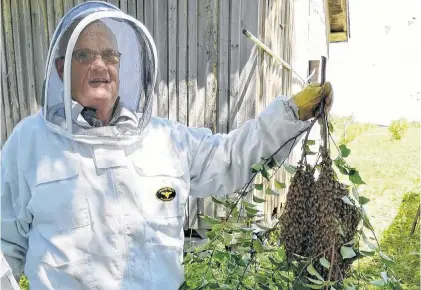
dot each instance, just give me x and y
(86, 207)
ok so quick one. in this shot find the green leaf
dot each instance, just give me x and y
(340, 164)
(290, 169)
(227, 239)
(367, 253)
(312, 271)
(363, 200)
(315, 281)
(272, 163)
(330, 127)
(344, 150)
(265, 174)
(279, 185)
(347, 252)
(247, 204)
(325, 263)
(217, 200)
(257, 199)
(311, 142)
(347, 200)
(388, 261)
(258, 246)
(313, 286)
(355, 193)
(256, 167)
(379, 283)
(210, 220)
(251, 212)
(384, 276)
(368, 243)
(356, 178)
(258, 186)
(269, 191)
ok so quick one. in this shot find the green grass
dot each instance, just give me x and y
(391, 171)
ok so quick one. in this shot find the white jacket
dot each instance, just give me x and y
(80, 216)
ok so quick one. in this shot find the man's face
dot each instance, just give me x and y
(94, 77)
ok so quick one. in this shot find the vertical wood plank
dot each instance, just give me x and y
(223, 73)
(172, 60)
(193, 106)
(7, 117)
(149, 23)
(211, 64)
(40, 43)
(182, 62)
(199, 106)
(28, 57)
(192, 61)
(123, 6)
(114, 2)
(11, 68)
(50, 19)
(205, 205)
(18, 45)
(140, 15)
(67, 5)
(234, 64)
(77, 2)
(161, 37)
(131, 8)
(58, 12)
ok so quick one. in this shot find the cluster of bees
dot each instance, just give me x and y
(316, 221)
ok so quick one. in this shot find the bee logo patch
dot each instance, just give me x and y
(166, 194)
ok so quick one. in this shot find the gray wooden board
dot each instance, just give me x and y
(50, 19)
(123, 6)
(58, 12)
(28, 64)
(140, 10)
(7, 124)
(18, 41)
(172, 60)
(223, 73)
(67, 5)
(192, 42)
(131, 8)
(40, 43)
(11, 67)
(234, 64)
(205, 205)
(161, 38)
(182, 62)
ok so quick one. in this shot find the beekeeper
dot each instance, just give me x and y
(93, 189)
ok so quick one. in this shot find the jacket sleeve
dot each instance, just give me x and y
(15, 220)
(221, 163)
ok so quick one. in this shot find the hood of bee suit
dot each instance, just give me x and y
(99, 55)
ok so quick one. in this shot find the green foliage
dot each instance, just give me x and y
(246, 255)
(24, 283)
(401, 246)
(398, 129)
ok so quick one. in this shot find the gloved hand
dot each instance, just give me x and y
(310, 97)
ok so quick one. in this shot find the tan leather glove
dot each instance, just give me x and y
(310, 97)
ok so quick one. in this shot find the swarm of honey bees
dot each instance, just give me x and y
(316, 221)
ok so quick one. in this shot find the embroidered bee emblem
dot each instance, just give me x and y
(166, 194)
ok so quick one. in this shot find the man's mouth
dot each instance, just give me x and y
(99, 81)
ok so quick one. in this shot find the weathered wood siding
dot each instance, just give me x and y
(210, 75)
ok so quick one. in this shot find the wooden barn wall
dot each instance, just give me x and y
(210, 75)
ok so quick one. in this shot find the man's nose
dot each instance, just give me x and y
(98, 63)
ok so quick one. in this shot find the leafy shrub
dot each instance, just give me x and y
(398, 129)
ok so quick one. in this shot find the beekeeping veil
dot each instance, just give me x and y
(136, 75)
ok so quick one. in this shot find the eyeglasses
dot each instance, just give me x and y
(86, 56)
